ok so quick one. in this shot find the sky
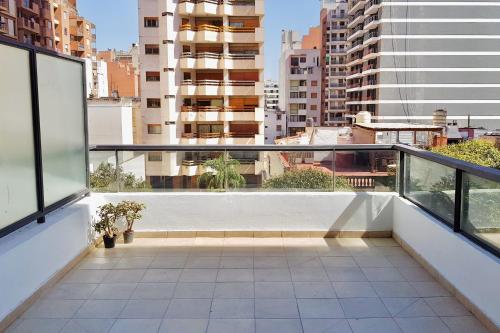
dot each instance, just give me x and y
(116, 24)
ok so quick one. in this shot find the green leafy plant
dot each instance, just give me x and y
(480, 152)
(222, 173)
(131, 211)
(108, 216)
(310, 179)
(105, 176)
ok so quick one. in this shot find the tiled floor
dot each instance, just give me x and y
(245, 285)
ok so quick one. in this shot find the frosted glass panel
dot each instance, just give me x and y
(60, 89)
(17, 158)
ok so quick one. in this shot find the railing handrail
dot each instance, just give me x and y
(473, 169)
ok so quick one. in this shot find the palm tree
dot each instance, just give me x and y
(221, 174)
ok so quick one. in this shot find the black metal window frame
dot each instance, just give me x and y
(459, 166)
(42, 210)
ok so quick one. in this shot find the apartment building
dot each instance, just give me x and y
(202, 78)
(333, 58)
(407, 59)
(275, 119)
(300, 83)
(122, 71)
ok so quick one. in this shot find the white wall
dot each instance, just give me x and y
(471, 270)
(110, 123)
(276, 211)
(32, 255)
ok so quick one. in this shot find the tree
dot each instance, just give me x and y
(310, 179)
(222, 173)
(479, 152)
(104, 178)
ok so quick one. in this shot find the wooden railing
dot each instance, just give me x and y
(215, 28)
(214, 55)
(217, 109)
(222, 2)
(218, 83)
(218, 135)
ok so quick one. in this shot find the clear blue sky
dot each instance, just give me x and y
(116, 22)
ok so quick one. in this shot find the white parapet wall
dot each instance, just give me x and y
(261, 211)
(471, 270)
(31, 256)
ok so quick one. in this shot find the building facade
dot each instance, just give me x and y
(275, 119)
(333, 58)
(122, 71)
(202, 78)
(408, 59)
(300, 83)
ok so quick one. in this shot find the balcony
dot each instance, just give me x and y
(372, 6)
(221, 8)
(46, 14)
(220, 88)
(355, 6)
(4, 5)
(393, 238)
(213, 114)
(4, 28)
(26, 24)
(230, 138)
(210, 60)
(220, 34)
(29, 8)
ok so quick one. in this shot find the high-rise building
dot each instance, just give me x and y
(300, 83)
(202, 76)
(275, 119)
(122, 71)
(333, 56)
(408, 59)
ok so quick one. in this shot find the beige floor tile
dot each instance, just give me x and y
(274, 290)
(71, 291)
(101, 309)
(345, 274)
(234, 290)
(329, 262)
(272, 275)
(430, 289)
(353, 289)
(304, 262)
(232, 309)
(145, 309)
(276, 308)
(394, 289)
(402, 261)
(169, 262)
(320, 308)
(422, 324)
(184, 326)
(154, 291)
(372, 261)
(134, 262)
(194, 290)
(270, 262)
(98, 263)
(136, 325)
(125, 276)
(465, 324)
(447, 306)
(235, 275)
(86, 276)
(38, 326)
(415, 274)
(326, 326)
(374, 325)
(408, 307)
(198, 275)
(236, 262)
(383, 274)
(364, 308)
(304, 274)
(269, 252)
(314, 290)
(189, 309)
(114, 291)
(53, 309)
(231, 326)
(203, 262)
(161, 275)
(278, 326)
(88, 326)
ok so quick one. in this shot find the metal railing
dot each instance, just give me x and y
(463, 196)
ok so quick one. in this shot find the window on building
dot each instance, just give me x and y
(155, 157)
(153, 103)
(152, 49)
(303, 59)
(294, 61)
(314, 83)
(278, 117)
(278, 127)
(154, 129)
(151, 22)
(314, 107)
(153, 76)
(314, 95)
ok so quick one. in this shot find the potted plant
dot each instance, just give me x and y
(106, 225)
(131, 211)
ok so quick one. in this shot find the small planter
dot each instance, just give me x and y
(128, 237)
(109, 242)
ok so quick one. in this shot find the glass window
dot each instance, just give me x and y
(62, 127)
(17, 161)
(431, 185)
(154, 129)
(481, 211)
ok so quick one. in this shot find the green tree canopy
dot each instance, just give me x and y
(222, 173)
(310, 179)
(479, 152)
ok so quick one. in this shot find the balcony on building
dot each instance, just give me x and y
(212, 83)
(29, 25)
(388, 236)
(239, 30)
(28, 8)
(211, 56)
(220, 8)
(4, 6)
(372, 6)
